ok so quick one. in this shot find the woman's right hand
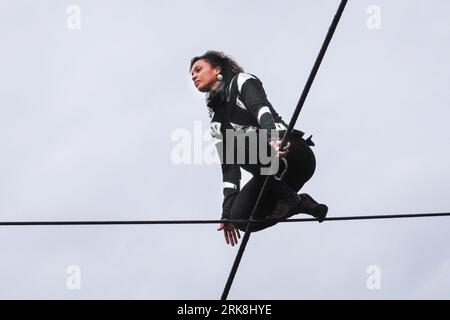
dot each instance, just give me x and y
(230, 232)
(276, 145)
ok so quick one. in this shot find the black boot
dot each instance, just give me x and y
(288, 200)
(310, 206)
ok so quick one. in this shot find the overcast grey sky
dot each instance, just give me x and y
(86, 123)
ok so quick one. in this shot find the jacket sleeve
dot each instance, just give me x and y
(255, 100)
(231, 173)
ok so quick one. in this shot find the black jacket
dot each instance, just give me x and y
(240, 104)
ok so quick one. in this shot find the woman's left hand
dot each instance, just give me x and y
(276, 145)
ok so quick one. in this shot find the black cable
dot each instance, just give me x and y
(297, 110)
(116, 222)
(137, 222)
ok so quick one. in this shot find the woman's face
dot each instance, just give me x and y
(204, 75)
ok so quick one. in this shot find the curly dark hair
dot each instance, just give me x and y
(229, 67)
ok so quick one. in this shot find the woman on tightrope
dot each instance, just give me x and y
(238, 105)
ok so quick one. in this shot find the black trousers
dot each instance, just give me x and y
(301, 166)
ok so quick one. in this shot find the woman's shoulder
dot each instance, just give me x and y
(243, 77)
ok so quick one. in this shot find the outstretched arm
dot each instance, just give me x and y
(231, 180)
(255, 98)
